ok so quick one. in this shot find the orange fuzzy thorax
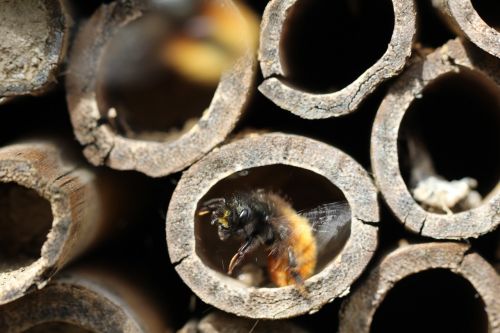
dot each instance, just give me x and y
(303, 244)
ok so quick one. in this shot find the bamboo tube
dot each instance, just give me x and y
(313, 105)
(220, 322)
(309, 172)
(414, 261)
(52, 209)
(477, 67)
(84, 300)
(464, 19)
(34, 42)
(166, 150)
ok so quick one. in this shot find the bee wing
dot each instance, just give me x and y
(328, 222)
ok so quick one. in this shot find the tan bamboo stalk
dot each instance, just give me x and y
(462, 17)
(53, 208)
(84, 300)
(219, 322)
(358, 310)
(261, 151)
(453, 57)
(311, 105)
(34, 40)
(103, 145)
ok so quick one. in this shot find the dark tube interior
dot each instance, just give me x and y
(432, 31)
(303, 188)
(489, 10)
(25, 221)
(57, 327)
(153, 101)
(457, 120)
(327, 44)
(432, 301)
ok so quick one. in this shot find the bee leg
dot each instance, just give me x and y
(293, 265)
(248, 247)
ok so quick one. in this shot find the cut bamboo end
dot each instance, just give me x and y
(416, 261)
(455, 62)
(34, 42)
(278, 83)
(157, 150)
(464, 19)
(219, 322)
(85, 300)
(64, 218)
(308, 172)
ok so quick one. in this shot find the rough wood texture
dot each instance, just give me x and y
(462, 17)
(154, 158)
(88, 299)
(220, 322)
(77, 198)
(451, 58)
(231, 295)
(315, 106)
(33, 45)
(358, 310)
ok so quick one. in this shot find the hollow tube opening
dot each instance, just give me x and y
(25, 220)
(452, 124)
(141, 94)
(489, 10)
(304, 189)
(436, 300)
(326, 45)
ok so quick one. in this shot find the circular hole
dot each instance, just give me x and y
(305, 190)
(140, 94)
(432, 301)
(489, 10)
(57, 327)
(328, 44)
(25, 221)
(456, 121)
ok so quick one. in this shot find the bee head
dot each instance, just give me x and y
(229, 216)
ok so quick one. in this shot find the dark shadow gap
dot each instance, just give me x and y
(432, 32)
(326, 45)
(432, 301)
(489, 10)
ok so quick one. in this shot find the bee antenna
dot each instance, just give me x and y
(214, 203)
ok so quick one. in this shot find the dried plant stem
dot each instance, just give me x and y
(254, 151)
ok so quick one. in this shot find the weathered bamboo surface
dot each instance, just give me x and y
(359, 309)
(220, 322)
(85, 299)
(94, 119)
(54, 208)
(35, 36)
(463, 17)
(259, 151)
(454, 57)
(313, 105)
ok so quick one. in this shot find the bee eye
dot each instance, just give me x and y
(244, 214)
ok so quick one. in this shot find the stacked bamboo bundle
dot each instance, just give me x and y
(131, 126)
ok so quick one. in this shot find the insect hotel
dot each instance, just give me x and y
(249, 166)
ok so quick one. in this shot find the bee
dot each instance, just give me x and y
(212, 36)
(292, 240)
